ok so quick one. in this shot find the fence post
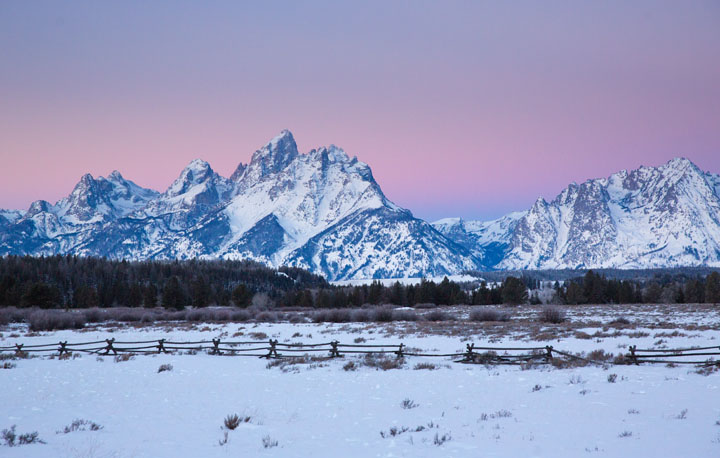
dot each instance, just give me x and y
(216, 347)
(273, 349)
(633, 356)
(62, 348)
(161, 346)
(548, 353)
(109, 348)
(334, 352)
(18, 349)
(399, 353)
(470, 355)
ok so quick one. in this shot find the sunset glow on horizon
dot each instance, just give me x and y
(467, 109)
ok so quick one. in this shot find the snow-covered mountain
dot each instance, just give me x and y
(650, 217)
(322, 210)
(49, 229)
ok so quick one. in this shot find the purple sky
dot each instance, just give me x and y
(466, 109)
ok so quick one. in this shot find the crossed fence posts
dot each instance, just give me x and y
(335, 349)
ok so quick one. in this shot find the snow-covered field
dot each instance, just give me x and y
(459, 278)
(319, 409)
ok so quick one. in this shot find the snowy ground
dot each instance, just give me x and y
(405, 281)
(320, 409)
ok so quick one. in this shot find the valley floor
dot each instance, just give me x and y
(320, 409)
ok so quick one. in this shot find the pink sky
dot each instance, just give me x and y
(461, 109)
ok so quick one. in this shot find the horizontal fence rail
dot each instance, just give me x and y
(704, 356)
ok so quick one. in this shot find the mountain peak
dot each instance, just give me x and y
(196, 172)
(198, 165)
(116, 176)
(283, 137)
(274, 156)
(87, 179)
(681, 164)
(39, 206)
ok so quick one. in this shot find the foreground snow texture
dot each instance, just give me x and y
(327, 411)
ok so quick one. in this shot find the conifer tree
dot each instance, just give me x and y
(712, 288)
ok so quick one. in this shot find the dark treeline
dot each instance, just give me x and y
(678, 288)
(635, 275)
(76, 282)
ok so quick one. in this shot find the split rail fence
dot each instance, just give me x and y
(335, 349)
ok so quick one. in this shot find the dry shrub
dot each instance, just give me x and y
(94, 315)
(621, 323)
(621, 359)
(404, 315)
(708, 369)
(293, 364)
(269, 442)
(382, 315)
(426, 366)
(383, 361)
(266, 317)
(425, 305)
(50, 320)
(199, 315)
(436, 315)
(11, 439)
(297, 318)
(239, 316)
(552, 315)
(232, 421)
(488, 314)
(222, 315)
(332, 316)
(124, 357)
(80, 425)
(567, 363)
(179, 315)
(11, 315)
(599, 356)
(361, 316)
(165, 368)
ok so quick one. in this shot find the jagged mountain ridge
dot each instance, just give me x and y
(652, 217)
(322, 210)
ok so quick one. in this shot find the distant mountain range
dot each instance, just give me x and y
(652, 217)
(324, 211)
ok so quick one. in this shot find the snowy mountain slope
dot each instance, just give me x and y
(322, 210)
(487, 241)
(47, 229)
(650, 217)
(10, 216)
(380, 243)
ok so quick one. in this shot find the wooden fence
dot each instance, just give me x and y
(334, 349)
(675, 356)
